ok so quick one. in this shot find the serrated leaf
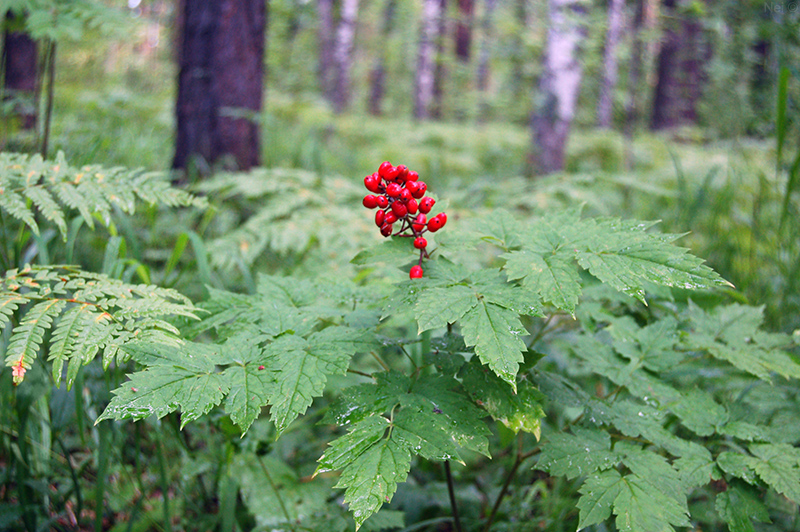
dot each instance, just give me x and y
(495, 334)
(572, 455)
(437, 307)
(694, 470)
(642, 507)
(522, 411)
(739, 507)
(372, 465)
(779, 466)
(699, 412)
(300, 369)
(598, 494)
(161, 389)
(391, 251)
(554, 276)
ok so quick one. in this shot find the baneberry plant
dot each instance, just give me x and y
(574, 334)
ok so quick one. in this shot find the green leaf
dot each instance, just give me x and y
(522, 411)
(779, 466)
(372, 465)
(572, 455)
(184, 378)
(300, 368)
(739, 507)
(598, 494)
(437, 307)
(495, 333)
(553, 276)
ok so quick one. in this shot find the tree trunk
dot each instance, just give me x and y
(681, 71)
(20, 58)
(558, 86)
(377, 77)
(439, 72)
(221, 60)
(605, 105)
(343, 54)
(463, 34)
(423, 83)
(483, 61)
(325, 68)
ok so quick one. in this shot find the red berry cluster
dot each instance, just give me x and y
(399, 196)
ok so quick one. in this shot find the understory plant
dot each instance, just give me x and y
(589, 359)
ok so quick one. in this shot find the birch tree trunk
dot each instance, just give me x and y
(325, 68)
(605, 105)
(221, 60)
(558, 86)
(424, 79)
(343, 54)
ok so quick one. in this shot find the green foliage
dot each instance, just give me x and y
(31, 187)
(92, 314)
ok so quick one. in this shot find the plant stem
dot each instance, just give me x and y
(521, 457)
(452, 493)
(383, 364)
(48, 111)
(277, 495)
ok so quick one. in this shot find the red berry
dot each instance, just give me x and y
(437, 222)
(392, 173)
(405, 195)
(402, 172)
(383, 168)
(422, 187)
(386, 229)
(370, 201)
(380, 217)
(390, 218)
(412, 206)
(416, 272)
(383, 202)
(373, 183)
(412, 176)
(412, 186)
(419, 222)
(426, 204)
(399, 209)
(420, 243)
(393, 190)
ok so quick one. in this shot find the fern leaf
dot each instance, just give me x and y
(9, 303)
(27, 338)
(13, 204)
(44, 201)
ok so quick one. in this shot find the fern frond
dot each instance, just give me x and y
(26, 340)
(53, 187)
(96, 314)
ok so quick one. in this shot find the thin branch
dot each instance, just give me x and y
(277, 495)
(452, 493)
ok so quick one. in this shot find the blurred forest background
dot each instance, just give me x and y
(684, 111)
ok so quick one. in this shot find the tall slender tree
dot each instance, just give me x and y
(463, 33)
(682, 60)
(325, 37)
(605, 105)
(20, 61)
(377, 76)
(440, 70)
(424, 78)
(483, 59)
(221, 60)
(558, 86)
(343, 54)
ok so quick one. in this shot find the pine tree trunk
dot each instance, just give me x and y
(605, 105)
(377, 77)
(558, 86)
(20, 59)
(424, 79)
(221, 60)
(466, 9)
(681, 71)
(483, 60)
(325, 69)
(343, 54)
